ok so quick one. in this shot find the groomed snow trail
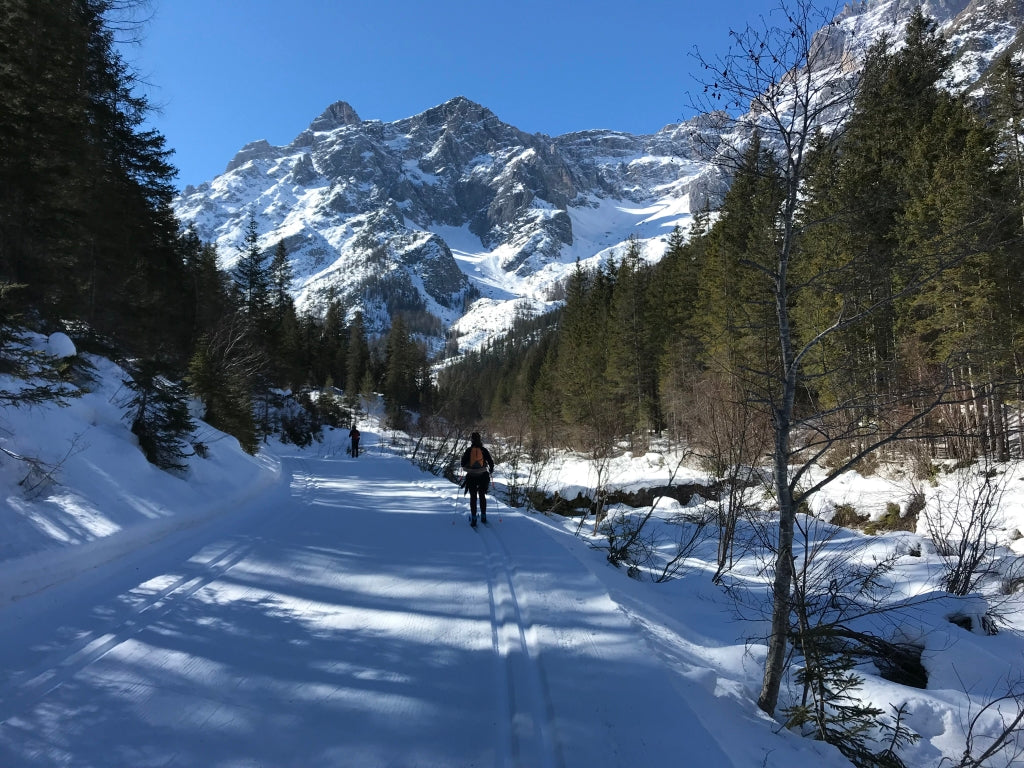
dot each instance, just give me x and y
(349, 617)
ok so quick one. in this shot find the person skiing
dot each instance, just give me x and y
(353, 435)
(479, 465)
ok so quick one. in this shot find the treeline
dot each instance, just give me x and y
(89, 245)
(904, 284)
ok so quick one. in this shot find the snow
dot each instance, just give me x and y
(60, 345)
(302, 608)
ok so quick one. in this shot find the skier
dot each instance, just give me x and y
(479, 465)
(353, 435)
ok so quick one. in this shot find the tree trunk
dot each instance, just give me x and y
(775, 663)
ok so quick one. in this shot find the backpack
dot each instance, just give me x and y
(477, 464)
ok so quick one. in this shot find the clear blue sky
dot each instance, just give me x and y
(227, 72)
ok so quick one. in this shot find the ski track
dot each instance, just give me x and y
(527, 728)
(29, 687)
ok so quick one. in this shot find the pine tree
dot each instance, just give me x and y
(252, 276)
(85, 191)
(861, 206)
(209, 297)
(332, 350)
(736, 317)
(955, 223)
(1006, 81)
(133, 281)
(43, 151)
(405, 372)
(281, 278)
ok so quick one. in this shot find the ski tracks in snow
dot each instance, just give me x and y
(153, 602)
(528, 722)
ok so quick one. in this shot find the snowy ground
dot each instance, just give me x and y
(308, 609)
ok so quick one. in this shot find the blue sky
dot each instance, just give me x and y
(226, 72)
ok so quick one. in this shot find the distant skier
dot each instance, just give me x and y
(479, 465)
(353, 435)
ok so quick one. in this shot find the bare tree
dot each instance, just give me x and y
(772, 74)
(730, 439)
(963, 527)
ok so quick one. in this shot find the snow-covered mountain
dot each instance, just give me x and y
(455, 213)
(383, 215)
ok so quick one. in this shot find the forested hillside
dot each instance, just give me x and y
(90, 246)
(904, 280)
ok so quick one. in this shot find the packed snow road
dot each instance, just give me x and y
(349, 616)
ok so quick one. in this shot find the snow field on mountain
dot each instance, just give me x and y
(599, 232)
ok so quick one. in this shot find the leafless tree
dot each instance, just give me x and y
(964, 526)
(730, 439)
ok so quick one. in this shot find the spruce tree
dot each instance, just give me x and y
(631, 370)
(736, 319)
(281, 277)
(43, 151)
(252, 276)
(357, 363)
(85, 188)
(405, 371)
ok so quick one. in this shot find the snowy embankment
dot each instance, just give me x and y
(305, 608)
(84, 494)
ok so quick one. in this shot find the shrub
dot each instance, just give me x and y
(845, 516)
(893, 520)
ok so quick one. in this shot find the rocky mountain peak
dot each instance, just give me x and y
(338, 114)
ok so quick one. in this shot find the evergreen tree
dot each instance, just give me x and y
(675, 288)
(209, 294)
(43, 150)
(577, 382)
(861, 204)
(405, 376)
(1006, 86)
(85, 217)
(631, 370)
(736, 318)
(159, 416)
(281, 277)
(357, 363)
(332, 351)
(252, 276)
(956, 223)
